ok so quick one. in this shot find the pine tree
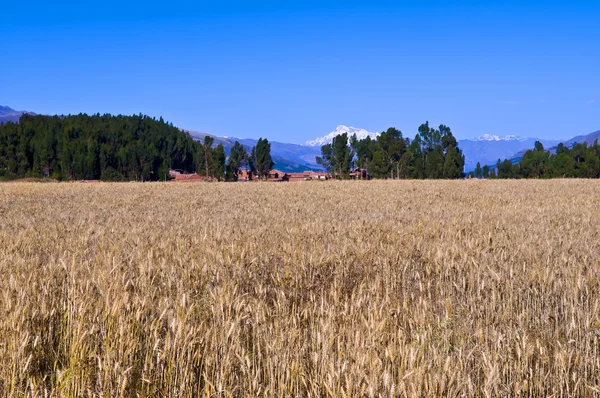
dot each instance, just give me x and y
(478, 171)
(380, 166)
(261, 157)
(486, 171)
(218, 163)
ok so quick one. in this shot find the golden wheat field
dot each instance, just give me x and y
(337, 289)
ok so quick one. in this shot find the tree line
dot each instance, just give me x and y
(432, 154)
(117, 148)
(579, 161)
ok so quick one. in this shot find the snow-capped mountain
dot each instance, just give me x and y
(341, 129)
(492, 137)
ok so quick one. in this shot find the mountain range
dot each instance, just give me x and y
(486, 149)
(589, 139)
(10, 115)
(291, 157)
(287, 157)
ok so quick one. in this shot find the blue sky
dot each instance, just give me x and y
(291, 71)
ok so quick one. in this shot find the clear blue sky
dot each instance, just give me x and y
(291, 71)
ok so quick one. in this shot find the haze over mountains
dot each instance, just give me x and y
(10, 115)
(287, 157)
(291, 157)
(589, 139)
(486, 149)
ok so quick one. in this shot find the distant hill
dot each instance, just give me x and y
(487, 149)
(287, 157)
(589, 139)
(10, 115)
(580, 139)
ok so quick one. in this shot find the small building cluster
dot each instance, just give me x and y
(247, 175)
(278, 175)
(181, 176)
(308, 176)
(274, 176)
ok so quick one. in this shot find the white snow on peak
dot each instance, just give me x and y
(341, 129)
(492, 137)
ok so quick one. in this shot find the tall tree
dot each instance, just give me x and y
(478, 171)
(433, 159)
(353, 141)
(207, 154)
(364, 151)
(238, 158)
(393, 144)
(218, 163)
(326, 159)
(504, 169)
(341, 155)
(453, 163)
(262, 160)
(454, 160)
(380, 165)
(486, 171)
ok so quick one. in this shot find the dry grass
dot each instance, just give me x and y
(464, 288)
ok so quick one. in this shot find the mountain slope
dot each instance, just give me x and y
(487, 149)
(10, 115)
(580, 139)
(589, 139)
(287, 157)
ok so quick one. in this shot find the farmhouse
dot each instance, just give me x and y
(180, 176)
(359, 174)
(276, 174)
(243, 175)
(307, 176)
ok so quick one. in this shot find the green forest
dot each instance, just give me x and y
(116, 148)
(432, 154)
(579, 161)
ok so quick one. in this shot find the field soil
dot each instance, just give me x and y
(340, 289)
